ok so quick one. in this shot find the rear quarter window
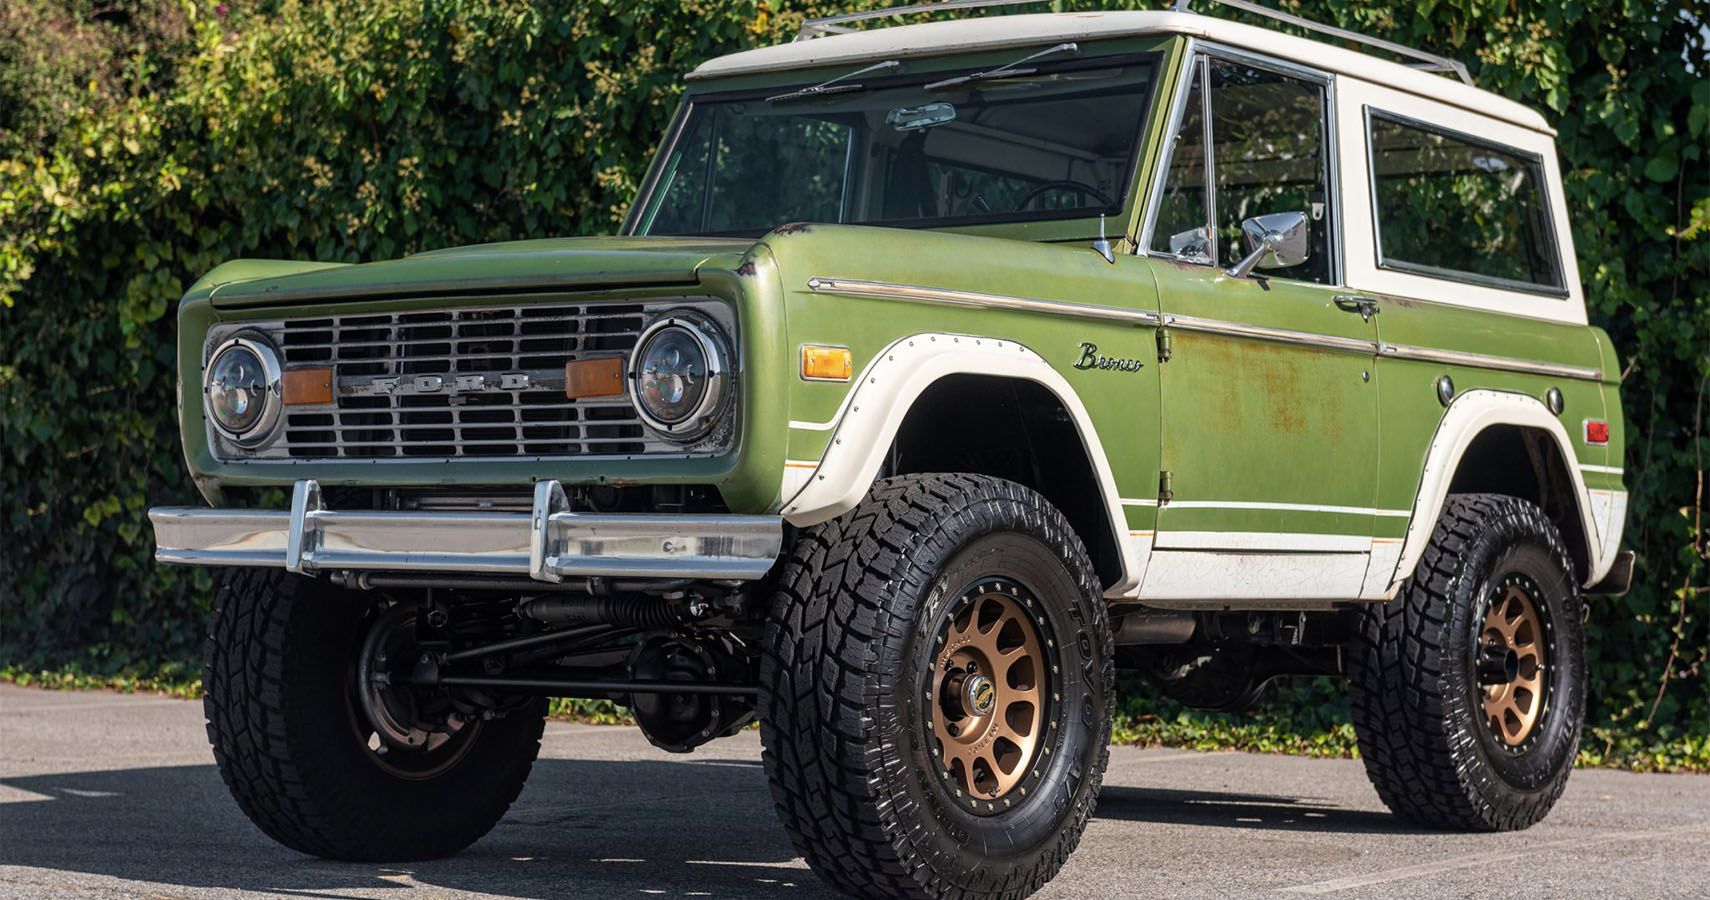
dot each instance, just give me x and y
(1452, 206)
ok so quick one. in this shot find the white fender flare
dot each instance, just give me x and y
(867, 424)
(1600, 517)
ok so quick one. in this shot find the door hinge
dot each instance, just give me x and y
(1164, 344)
(1165, 493)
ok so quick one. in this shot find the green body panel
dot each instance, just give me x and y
(241, 271)
(1123, 405)
(583, 263)
(1611, 395)
(1265, 422)
(1411, 410)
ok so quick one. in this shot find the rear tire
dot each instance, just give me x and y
(1445, 743)
(897, 770)
(294, 738)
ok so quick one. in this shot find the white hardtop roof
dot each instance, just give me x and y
(997, 32)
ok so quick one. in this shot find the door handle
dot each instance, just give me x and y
(1365, 306)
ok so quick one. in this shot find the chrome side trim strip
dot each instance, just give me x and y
(888, 291)
(1276, 335)
(1487, 361)
(549, 544)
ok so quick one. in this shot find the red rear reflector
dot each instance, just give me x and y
(1596, 432)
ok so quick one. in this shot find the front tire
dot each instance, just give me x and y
(936, 691)
(1469, 687)
(326, 763)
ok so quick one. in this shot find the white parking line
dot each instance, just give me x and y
(1484, 859)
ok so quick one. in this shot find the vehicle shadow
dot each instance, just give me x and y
(1225, 809)
(582, 828)
(590, 829)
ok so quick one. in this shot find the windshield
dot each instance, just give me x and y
(1057, 140)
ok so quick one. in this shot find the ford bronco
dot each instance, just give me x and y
(940, 372)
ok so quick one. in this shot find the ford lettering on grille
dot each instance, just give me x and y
(450, 384)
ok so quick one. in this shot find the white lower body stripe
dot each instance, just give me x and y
(1286, 507)
(1264, 540)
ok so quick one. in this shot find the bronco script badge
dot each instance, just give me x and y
(1090, 359)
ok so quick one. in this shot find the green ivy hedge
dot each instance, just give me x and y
(144, 141)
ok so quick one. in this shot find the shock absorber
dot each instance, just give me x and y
(630, 611)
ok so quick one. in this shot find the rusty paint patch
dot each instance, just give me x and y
(1392, 300)
(747, 269)
(793, 228)
(1256, 378)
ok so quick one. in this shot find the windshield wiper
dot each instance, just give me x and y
(836, 85)
(1005, 69)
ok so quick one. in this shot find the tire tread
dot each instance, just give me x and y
(826, 769)
(1415, 751)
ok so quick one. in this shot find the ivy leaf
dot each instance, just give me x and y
(1662, 168)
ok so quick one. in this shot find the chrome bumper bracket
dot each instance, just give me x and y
(548, 544)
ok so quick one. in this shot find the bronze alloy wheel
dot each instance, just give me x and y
(1513, 662)
(988, 694)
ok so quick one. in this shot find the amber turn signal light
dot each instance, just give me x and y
(821, 363)
(306, 387)
(593, 378)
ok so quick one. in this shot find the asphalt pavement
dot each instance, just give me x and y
(105, 795)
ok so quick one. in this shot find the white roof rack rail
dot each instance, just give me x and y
(1432, 62)
(813, 28)
(1428, 61)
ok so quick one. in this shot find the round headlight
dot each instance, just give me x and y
(677, 375)
(242, 389)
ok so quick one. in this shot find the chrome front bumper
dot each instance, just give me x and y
(549, 544)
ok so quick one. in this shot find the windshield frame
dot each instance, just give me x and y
(1045, 224)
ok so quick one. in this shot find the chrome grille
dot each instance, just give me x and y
(485, 381)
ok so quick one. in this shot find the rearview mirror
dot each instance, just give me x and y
(1273, 241)
(916, 118)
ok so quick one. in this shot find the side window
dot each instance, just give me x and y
(1269, 156)
(1180, 227)
(1457, 206)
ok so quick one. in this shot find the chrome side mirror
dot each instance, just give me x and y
(1274, 241)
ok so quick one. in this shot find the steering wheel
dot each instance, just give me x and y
(1063, 184)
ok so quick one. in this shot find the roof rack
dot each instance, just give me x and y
(840, 24)
(1431, 62)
